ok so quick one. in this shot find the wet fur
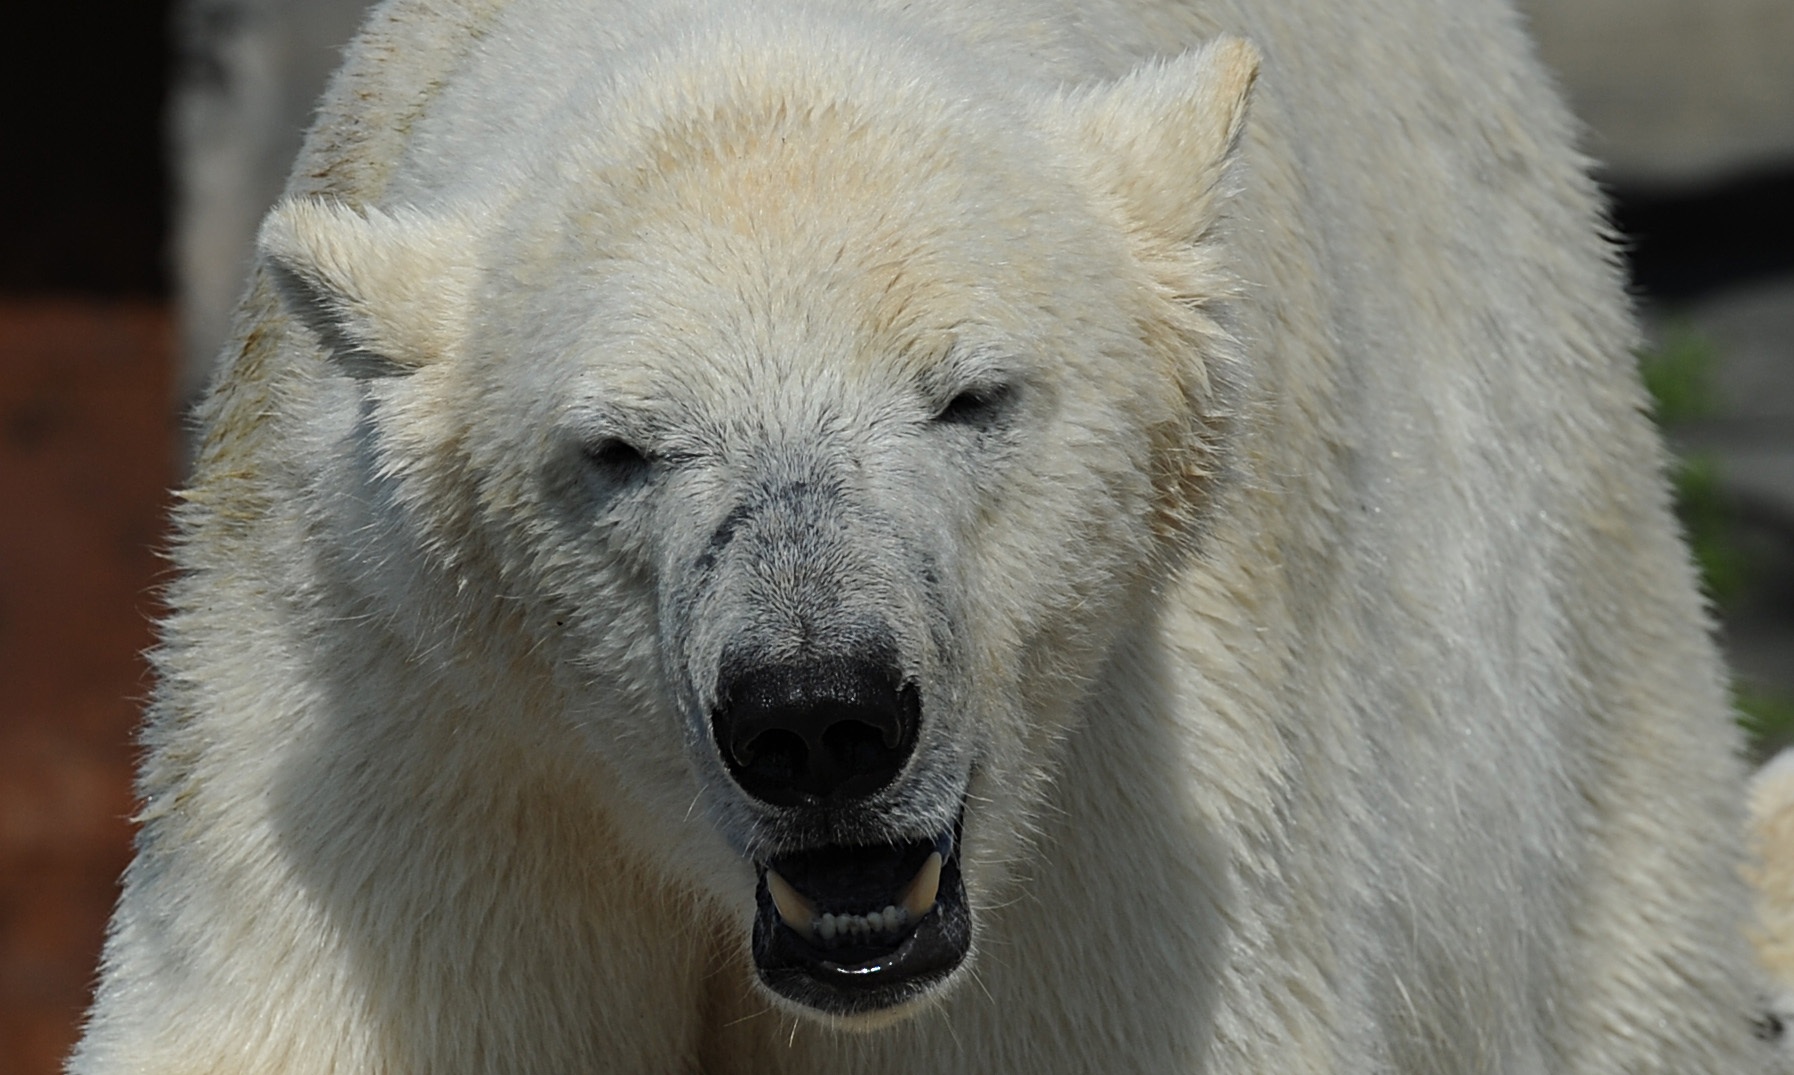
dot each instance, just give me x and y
(1306, 635)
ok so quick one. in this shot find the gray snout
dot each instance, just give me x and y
(827, 730)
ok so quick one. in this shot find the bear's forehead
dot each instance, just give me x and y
(772, 176)
(805, 237)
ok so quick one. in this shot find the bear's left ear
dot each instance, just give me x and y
(385, 292)
(1159, 139)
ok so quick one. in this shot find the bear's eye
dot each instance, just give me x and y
(980, 406)
(616, 459)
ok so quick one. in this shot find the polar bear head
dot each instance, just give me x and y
(820, 420)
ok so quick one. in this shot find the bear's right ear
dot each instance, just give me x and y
(386, 292)
(1160, 139)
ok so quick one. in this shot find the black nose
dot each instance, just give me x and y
(826, 731)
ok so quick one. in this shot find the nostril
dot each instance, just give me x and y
(855, 748)
(821, 732)
(774, 756)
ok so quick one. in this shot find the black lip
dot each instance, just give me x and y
(867, 978)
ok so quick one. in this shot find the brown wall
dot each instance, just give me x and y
(85, 459)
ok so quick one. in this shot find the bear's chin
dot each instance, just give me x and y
(862, 934)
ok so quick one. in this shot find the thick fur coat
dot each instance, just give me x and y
(1216, 422)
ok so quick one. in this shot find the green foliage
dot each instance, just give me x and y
(1768, 720)
(1707, 523)
(1678, 373)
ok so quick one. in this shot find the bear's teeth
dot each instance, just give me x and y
(797, 912)
(918, 898)
(801, 915)
(854, 927)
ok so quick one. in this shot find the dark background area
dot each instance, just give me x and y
(87, 452)
(82, 88)
(88, 447)
(1682, 245)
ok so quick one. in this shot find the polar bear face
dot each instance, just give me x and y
(814, 428)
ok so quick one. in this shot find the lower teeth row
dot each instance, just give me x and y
(832, 927)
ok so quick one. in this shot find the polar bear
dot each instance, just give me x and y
(1772, 874)
(792, 536)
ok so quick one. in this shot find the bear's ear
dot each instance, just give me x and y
(386, 292)
(1160, 138)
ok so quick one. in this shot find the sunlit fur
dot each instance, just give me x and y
(1772, 814)
(1303, 632)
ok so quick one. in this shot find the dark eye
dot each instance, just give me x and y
(979, 406)
(616, 459)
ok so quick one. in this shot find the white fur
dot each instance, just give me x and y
(1772, 817)
(1316, 657)
(387, 287)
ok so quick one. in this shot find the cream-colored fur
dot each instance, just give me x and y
(1772, 817)
(1305, 638)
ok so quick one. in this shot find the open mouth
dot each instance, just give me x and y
(852, 930)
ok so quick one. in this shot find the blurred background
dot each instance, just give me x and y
(145, 138)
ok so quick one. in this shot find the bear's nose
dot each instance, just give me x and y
(822, 731)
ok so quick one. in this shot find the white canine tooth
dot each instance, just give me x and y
(797, 912)
(918, 898)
